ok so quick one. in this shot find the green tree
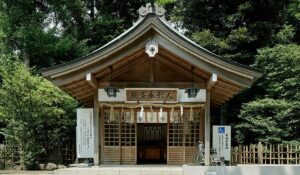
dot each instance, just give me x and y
(281, 66)
(269, 121)
(236, 29)
(34, 111)
(274, 117)
(50, 32)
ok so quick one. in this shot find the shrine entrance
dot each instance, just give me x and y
(152, 143)
(152, 136)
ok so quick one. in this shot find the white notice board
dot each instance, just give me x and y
(222, 140)
(85, 133)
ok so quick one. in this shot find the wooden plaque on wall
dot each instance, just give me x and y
(156, 95)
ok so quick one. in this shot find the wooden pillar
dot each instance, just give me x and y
(102, 120)
(207, 128)
(209, 84)
(90, 79)
(96, 128)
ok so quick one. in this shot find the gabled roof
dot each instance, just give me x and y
(174, 49)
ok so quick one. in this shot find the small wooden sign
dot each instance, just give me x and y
(151, 95)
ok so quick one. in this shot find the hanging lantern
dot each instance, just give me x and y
(192, 91)
(111, 91)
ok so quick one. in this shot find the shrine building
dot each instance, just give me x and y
(151, 91)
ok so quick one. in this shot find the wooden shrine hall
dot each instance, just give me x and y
(151, 90)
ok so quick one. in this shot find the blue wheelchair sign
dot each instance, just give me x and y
(221, 130)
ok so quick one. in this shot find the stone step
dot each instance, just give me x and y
(122, 170)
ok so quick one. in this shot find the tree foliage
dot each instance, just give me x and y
(36, 113)
(269, 121)
(51, 32)
(275, 117)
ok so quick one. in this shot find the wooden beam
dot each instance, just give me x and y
(179, 61)
(218, 94)
(124, 69)
(228, 86)
(127, 60)
(91, 80)
(222, 90)
(83, 92)
(152, 69)
(80, 89)
(87, 94)
(211, 81)
(177, 68)
(76, 84)
(151, 84)
(221, 100)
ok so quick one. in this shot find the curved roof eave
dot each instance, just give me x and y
(139, 24)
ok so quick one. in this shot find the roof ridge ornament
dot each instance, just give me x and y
(151, 8)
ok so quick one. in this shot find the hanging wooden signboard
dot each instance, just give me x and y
(156, 95)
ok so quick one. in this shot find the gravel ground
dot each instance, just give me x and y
(26, 172)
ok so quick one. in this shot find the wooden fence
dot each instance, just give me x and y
(265, 154)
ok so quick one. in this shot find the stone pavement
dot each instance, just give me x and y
(122, 170)
(26, 172)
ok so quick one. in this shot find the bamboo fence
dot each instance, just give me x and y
(265, 154)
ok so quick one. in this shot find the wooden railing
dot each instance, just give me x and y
(265, 154)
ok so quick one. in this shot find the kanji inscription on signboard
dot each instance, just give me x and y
(85, 133)
(151, 95)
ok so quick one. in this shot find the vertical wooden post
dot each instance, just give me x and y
(184, 122)
(120, 145)
(240, 154)
(102, 119)
(168, 135)
(207, 128)
(136, 141)
(96, 128)
(287, 154)
(202, 125)
(260, 153)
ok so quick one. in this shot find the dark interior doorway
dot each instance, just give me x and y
(152, 143)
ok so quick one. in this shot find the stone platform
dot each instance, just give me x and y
(122, 170)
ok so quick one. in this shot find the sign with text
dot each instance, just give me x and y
(151, 95)
(85, 133)
(222, 140)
